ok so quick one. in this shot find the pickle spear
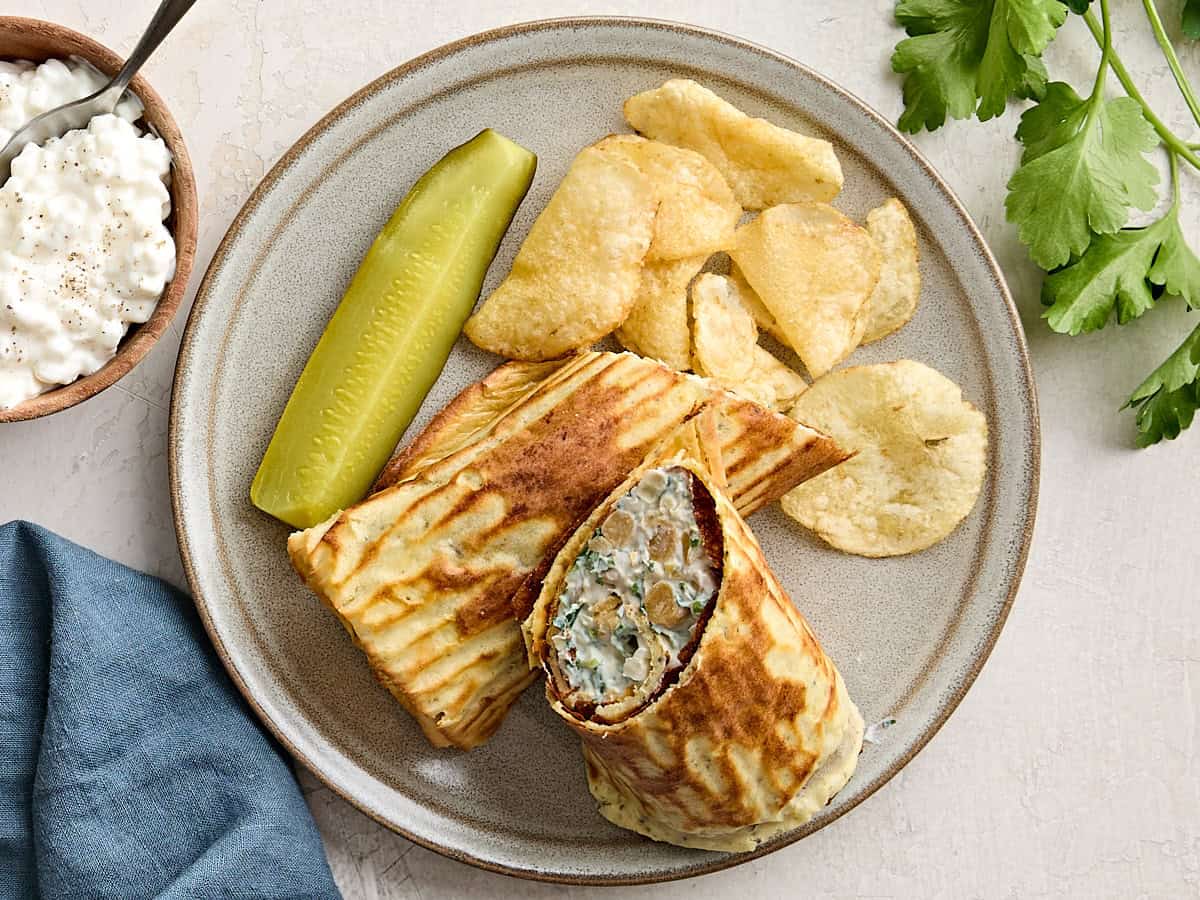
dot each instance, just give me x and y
(388, 340)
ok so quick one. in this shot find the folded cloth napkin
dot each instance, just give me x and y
(129, 765)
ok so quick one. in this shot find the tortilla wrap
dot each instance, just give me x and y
(752, 737)
(423, 572)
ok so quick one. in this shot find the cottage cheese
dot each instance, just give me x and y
(83, 248)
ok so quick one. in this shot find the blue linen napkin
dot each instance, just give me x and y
(129, 765)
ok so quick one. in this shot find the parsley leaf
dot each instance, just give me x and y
(1052, 122)
(1031, 24)
(1191, 19)
(1082, 169)
(966, 57)
(939, 61)
(1078, 6)
(1118, 270)
(1176, 267)
(1033, 87)
(1167, 401)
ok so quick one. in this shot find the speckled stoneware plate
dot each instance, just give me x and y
(908, 634)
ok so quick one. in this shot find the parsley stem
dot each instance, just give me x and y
(1096, 100)
(1174, 159)
(1181, 80)
(1165, 134)
(1106, 45)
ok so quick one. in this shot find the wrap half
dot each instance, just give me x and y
(423, 572)
(709, 715)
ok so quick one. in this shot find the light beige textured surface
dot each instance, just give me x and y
(1072, 768)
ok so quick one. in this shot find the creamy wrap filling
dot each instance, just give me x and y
(634, 599)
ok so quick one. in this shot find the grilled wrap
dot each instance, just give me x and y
(423, 572)
(709, 715)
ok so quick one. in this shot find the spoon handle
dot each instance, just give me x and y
(165, 18)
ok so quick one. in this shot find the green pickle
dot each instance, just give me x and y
(390, 336)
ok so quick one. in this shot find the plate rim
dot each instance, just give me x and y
(216, 263)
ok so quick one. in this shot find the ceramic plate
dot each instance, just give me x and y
(908, 634)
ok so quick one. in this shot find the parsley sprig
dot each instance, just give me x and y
(1085, 167)
(967, 58)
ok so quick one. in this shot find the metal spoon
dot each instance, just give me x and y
(58, 122)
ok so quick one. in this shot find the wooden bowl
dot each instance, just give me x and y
(35, 40)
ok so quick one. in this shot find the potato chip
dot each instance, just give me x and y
(894, 299)
(771, 383)
(724, 336)
(658, 325)
(814, 269)
(726, 348)
(763, 163)
(576, 276)
(754, 305)
(921, 458)
(697, 214)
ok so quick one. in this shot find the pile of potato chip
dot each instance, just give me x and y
(623, 247)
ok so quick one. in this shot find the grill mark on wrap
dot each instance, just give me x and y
(729, 697)
(750, 489)
(503, 686)
(522, 601)
(451, 674)
(474, 435)
(594, 394)
(554, 483)
(755, 426)
(540, 465)
(423, 449)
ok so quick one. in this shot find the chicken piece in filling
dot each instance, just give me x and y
(636, 598)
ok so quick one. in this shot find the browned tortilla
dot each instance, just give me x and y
(423, 572)
(752, 737)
